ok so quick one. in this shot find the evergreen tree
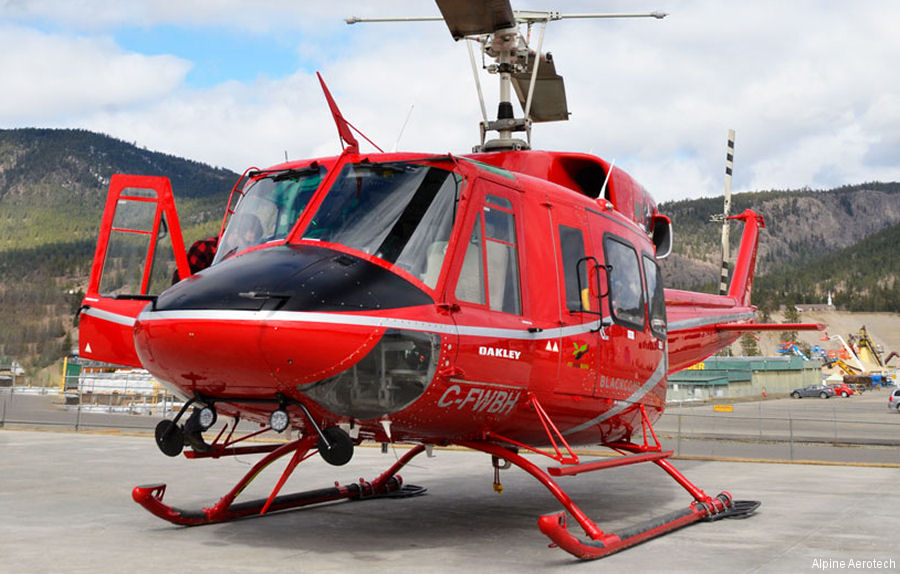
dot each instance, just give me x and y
(791, 315)
(749, 345)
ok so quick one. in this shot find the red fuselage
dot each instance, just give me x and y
(437, 299)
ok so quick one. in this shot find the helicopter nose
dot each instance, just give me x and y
(266, 322)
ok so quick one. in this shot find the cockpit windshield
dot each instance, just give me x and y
(399, 212)
(269, 207)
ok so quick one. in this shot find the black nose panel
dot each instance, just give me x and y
(294, 278)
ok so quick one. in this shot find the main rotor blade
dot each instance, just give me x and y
(473, 17)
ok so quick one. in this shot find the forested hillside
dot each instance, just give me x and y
(862, 277)
(842, 241)
(53, 187)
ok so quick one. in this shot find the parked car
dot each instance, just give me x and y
(894, 400)
(813, 391)
(842, 389)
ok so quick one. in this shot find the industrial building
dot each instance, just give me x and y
(735, 377)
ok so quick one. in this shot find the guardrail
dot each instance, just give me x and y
(782, 438)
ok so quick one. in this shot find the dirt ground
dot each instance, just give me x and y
(883, 328)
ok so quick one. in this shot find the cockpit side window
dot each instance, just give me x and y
(399, 212)
(269, 207)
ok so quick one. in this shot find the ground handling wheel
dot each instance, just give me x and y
(339, 449)
(169, 437)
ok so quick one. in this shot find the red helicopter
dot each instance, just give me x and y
(508, 301)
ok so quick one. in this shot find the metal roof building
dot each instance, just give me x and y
(734, 377)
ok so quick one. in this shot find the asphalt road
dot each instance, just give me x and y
(65, 506)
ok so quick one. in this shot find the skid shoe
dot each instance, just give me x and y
(722, 506)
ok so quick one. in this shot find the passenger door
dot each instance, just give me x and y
(139, 250)
(634, 356)
(580, 308)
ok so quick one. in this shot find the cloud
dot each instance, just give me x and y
(237, 125)
(49, 77)
(808, 85)
(260, 16)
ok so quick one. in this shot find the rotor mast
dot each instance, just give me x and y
(530, 73)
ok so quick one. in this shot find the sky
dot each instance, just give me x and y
(810, 86)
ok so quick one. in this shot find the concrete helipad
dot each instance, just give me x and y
(65, 506)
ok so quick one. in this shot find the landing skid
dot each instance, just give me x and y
(596, 544)
(388, 484)
(599, 543)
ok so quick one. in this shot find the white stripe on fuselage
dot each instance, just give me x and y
(367, 321)
(116, 318)
(385, 322)
(695, 322)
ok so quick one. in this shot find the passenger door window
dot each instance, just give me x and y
(575, 265)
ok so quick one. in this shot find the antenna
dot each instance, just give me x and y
(343, 126)
(612, 166)
(729, 165)
(530, 73)
(403, 127)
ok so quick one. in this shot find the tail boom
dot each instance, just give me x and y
(699, 324)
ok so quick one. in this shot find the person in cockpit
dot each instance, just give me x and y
(247, 232)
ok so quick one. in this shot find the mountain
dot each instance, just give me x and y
(53, 183)
(53, 187)
(842, 241)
